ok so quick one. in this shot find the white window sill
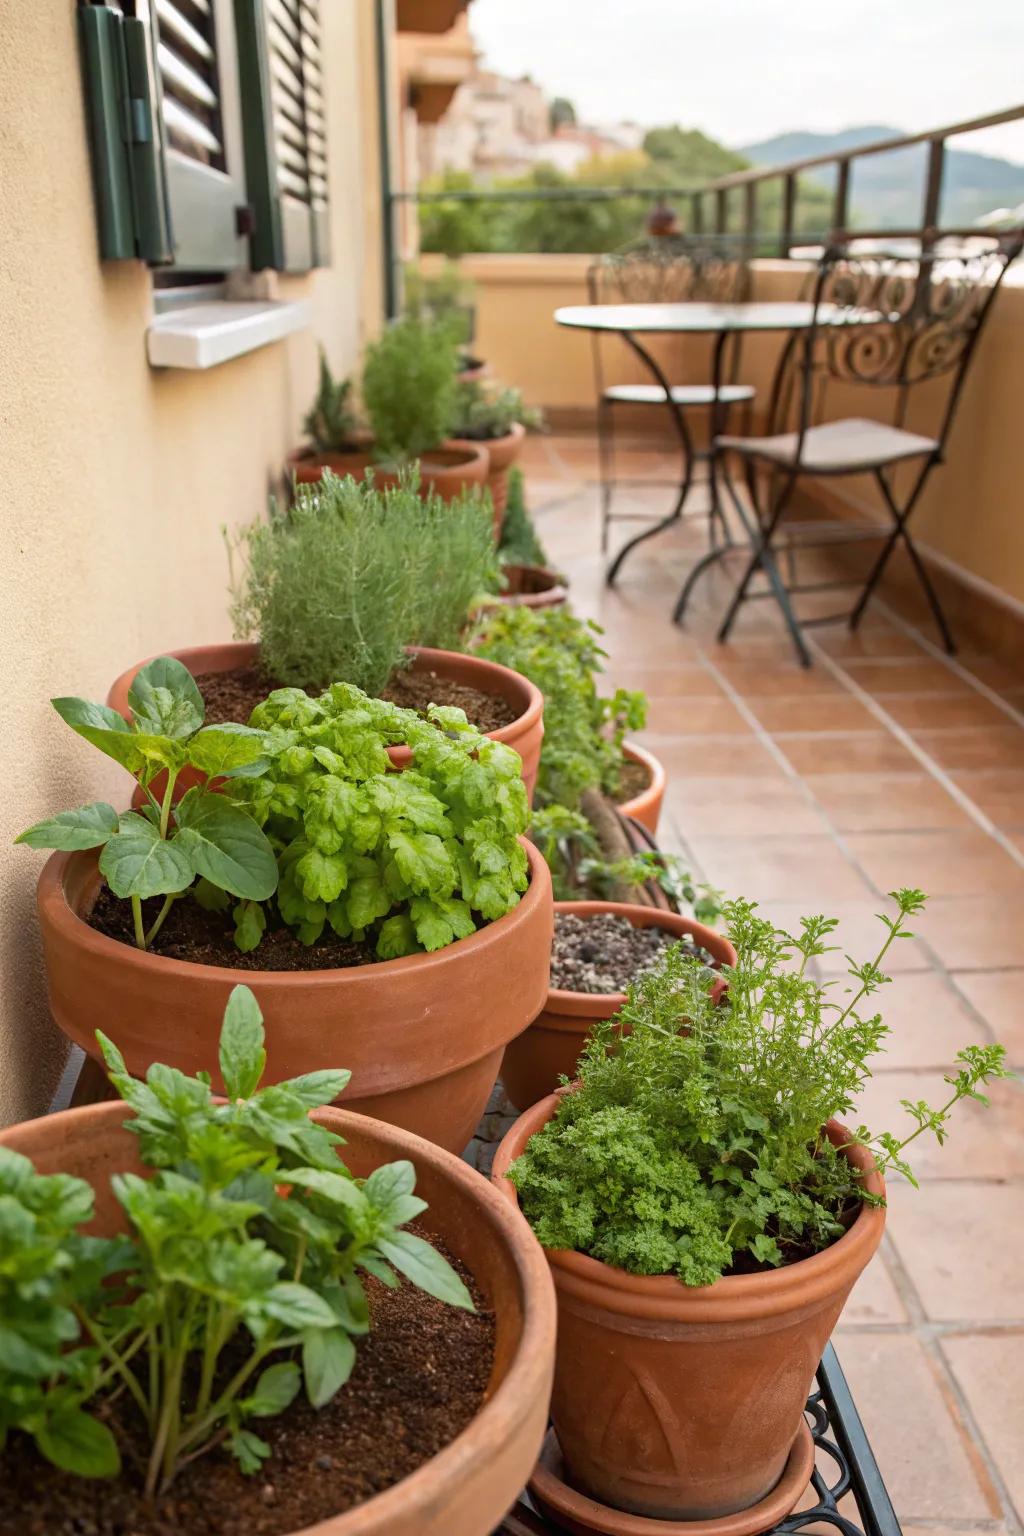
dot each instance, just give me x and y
(203, 335)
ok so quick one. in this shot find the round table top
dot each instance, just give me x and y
(694, 317)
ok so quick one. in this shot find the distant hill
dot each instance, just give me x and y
(886, 190)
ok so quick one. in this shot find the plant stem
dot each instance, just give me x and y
(158, 922)
(140, 932)
(118, 1362)
(165, 812)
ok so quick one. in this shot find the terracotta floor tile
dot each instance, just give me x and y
(909, 1418)
(874, 1299)
(998, 792)
(973, 935)
(998, 997)
(967, 862)
(934, 1227)
(986, 747)
(995, 673)
(929, 1021)
(695, 717)
(836, 712)
(982, 1142)
(866, 752)
(886, 802)
(740, 806)
(732, 757)
(660, 681)
(812, 870)
(915, 675)
(990, 1372)
(949, 712)
(751, 680)
(860, 934)
(881, 641)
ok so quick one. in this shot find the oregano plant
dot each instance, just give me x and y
(695, 1143)
(239, 1283)
(164, 848)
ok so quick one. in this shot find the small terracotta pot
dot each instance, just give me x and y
(646, 806)
(550, 1048)
(528, 586)
(466, 1488)
(422, 1035)
(524, 734)
(503, 453)
(449, 469)
(683, 1403)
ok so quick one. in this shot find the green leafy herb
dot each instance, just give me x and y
(164, 849)
(409, 388)
(696, 1138)
(331, 422)
(519, 542)
(484, 411)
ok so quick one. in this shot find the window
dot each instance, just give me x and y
(208, 132)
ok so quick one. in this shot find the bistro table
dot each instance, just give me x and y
(724, 322)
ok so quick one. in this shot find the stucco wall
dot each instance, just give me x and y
(116, 478)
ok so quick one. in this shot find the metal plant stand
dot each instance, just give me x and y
(845, 1468)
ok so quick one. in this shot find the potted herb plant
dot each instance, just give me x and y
(208, 1312)
(599, 948)
(370, 586)
(491, 414)
(372, 910)
(335, 440)
(705, 1213)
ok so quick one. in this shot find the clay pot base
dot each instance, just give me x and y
(583, 1516)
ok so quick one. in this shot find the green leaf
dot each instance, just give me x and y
(328, 1355)
(210, 897)
(275, 1390)
(426, 1268)
(248, 1450)
(103, 727)
(229, 751)
(137, 861)
(297, 1306)
(250, 925)
(78, 1443)
(242, 1054)
(335, 1187)
(20, 1356)
(397, 937)
(88, 827)
(226, 846)
(165, 700)
(322, 876)
(322, 1087)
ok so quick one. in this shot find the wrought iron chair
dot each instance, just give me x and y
(881, 322)
(668, 270)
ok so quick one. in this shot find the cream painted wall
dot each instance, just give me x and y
(117, 478)
(973, 512)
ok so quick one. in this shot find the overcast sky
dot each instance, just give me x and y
(744, 70)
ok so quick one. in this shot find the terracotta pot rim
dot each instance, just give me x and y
(595, 1005)
(506, 440)
(55, 908)
(501, 1412)
(633, 752)
(733, 1297)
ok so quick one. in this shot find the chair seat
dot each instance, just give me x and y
(836, 448)
(682, 394)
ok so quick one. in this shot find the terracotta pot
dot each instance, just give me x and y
(528, 586)
(449, 469)
(422, 1035)
(503, 453)
(683, 1403)
(646, 806)
(524, 733)
(550, 1048)
(465, 1489)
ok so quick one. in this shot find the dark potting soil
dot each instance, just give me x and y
(604, 953)
(207, 938)
(634, 778)
(419, 1378)
(234, 696)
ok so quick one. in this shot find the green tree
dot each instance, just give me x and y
(561, 111)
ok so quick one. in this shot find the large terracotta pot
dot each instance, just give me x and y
(646, 806)
(524, 733)
(527, 586)
(503, 453)
(684, 1403)
(422, 1035)
(448, 470)
(465, 1489)
(535, 1060)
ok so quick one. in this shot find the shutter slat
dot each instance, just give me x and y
(187, 64)
(182, 125)
(296, 185)
(173, 21)
(181, 78)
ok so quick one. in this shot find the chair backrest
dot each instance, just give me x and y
(669, 270)
(893, 322)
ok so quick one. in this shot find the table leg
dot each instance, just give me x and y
(716, 515)
(682, 431)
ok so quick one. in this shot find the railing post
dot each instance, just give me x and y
(840, 209)
(932, 191)
(721, 211)
(788, 214)
(749, 217)
(697, 213)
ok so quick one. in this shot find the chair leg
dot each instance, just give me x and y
(648, 533)
(764, 559)
(606, 464)
(900, 517)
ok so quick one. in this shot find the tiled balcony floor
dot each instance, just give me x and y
(886, 764)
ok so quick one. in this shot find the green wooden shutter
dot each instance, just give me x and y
(285, 132)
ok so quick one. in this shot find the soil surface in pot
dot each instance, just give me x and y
(603, 953)
(234, 696)
(634, 778)
(420, 1377)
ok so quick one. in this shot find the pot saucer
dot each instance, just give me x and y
(582, 1516)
